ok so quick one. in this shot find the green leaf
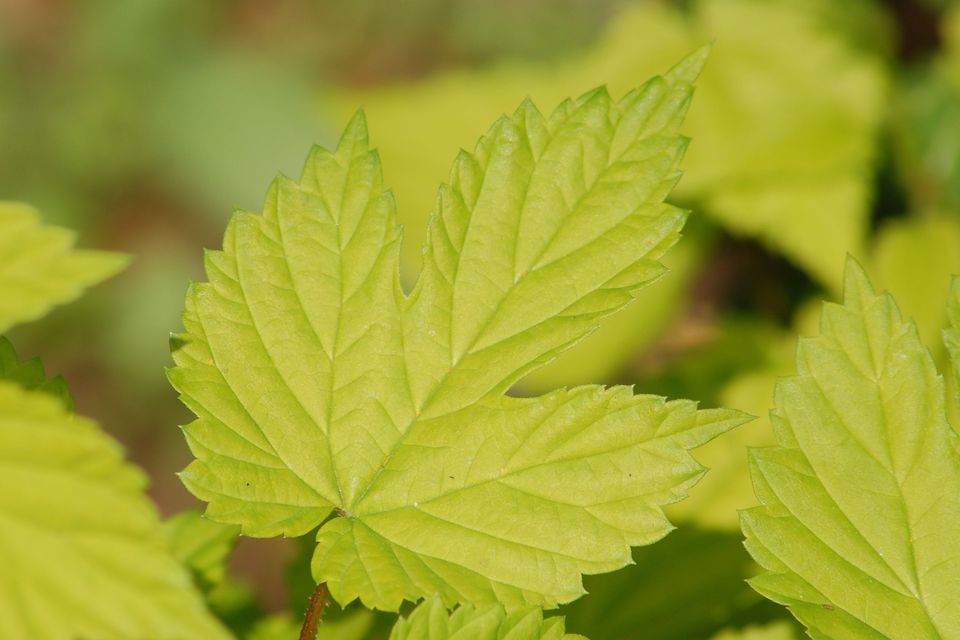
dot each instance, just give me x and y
(321, 388)
(39, 268)
(201, 545)
(29, 374)
(431, 621)
(82, 548)
(861, 495)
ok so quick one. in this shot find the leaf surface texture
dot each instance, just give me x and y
(321, 388)
(861, 495)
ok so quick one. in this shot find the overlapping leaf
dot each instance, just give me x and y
(861, 495)
(321, 387)
(81, 547)
(431, 621)
(39, 268)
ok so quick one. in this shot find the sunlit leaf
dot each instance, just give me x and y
(321, 388)
(861, 495)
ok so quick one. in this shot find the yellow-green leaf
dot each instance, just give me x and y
(860, 497)
(81, 546)
(39, 268)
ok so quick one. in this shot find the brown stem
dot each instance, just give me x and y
(311, 621)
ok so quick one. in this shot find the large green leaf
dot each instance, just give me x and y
(431, 621)
(861, 495)
(768, 159)
(39, 268)
(81, 546)
(321, 387)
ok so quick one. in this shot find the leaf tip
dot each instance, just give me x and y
(856, 283)
(690, 68)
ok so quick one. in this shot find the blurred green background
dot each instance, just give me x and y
(819, 129)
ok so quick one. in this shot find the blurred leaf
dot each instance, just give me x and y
(80, 537)
(914, 259)
(691, 584)
(30, 376)
(768, 158)
(39, 268)
(201, 545)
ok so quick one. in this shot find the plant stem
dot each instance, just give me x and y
(314, 615)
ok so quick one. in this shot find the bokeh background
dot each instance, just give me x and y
(819, 128)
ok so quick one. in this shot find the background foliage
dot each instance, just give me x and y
(818, 129)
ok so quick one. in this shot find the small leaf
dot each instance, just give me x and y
(861, 495)
(39, 268)
(321, 387)
(431, 621)
(83, 553)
